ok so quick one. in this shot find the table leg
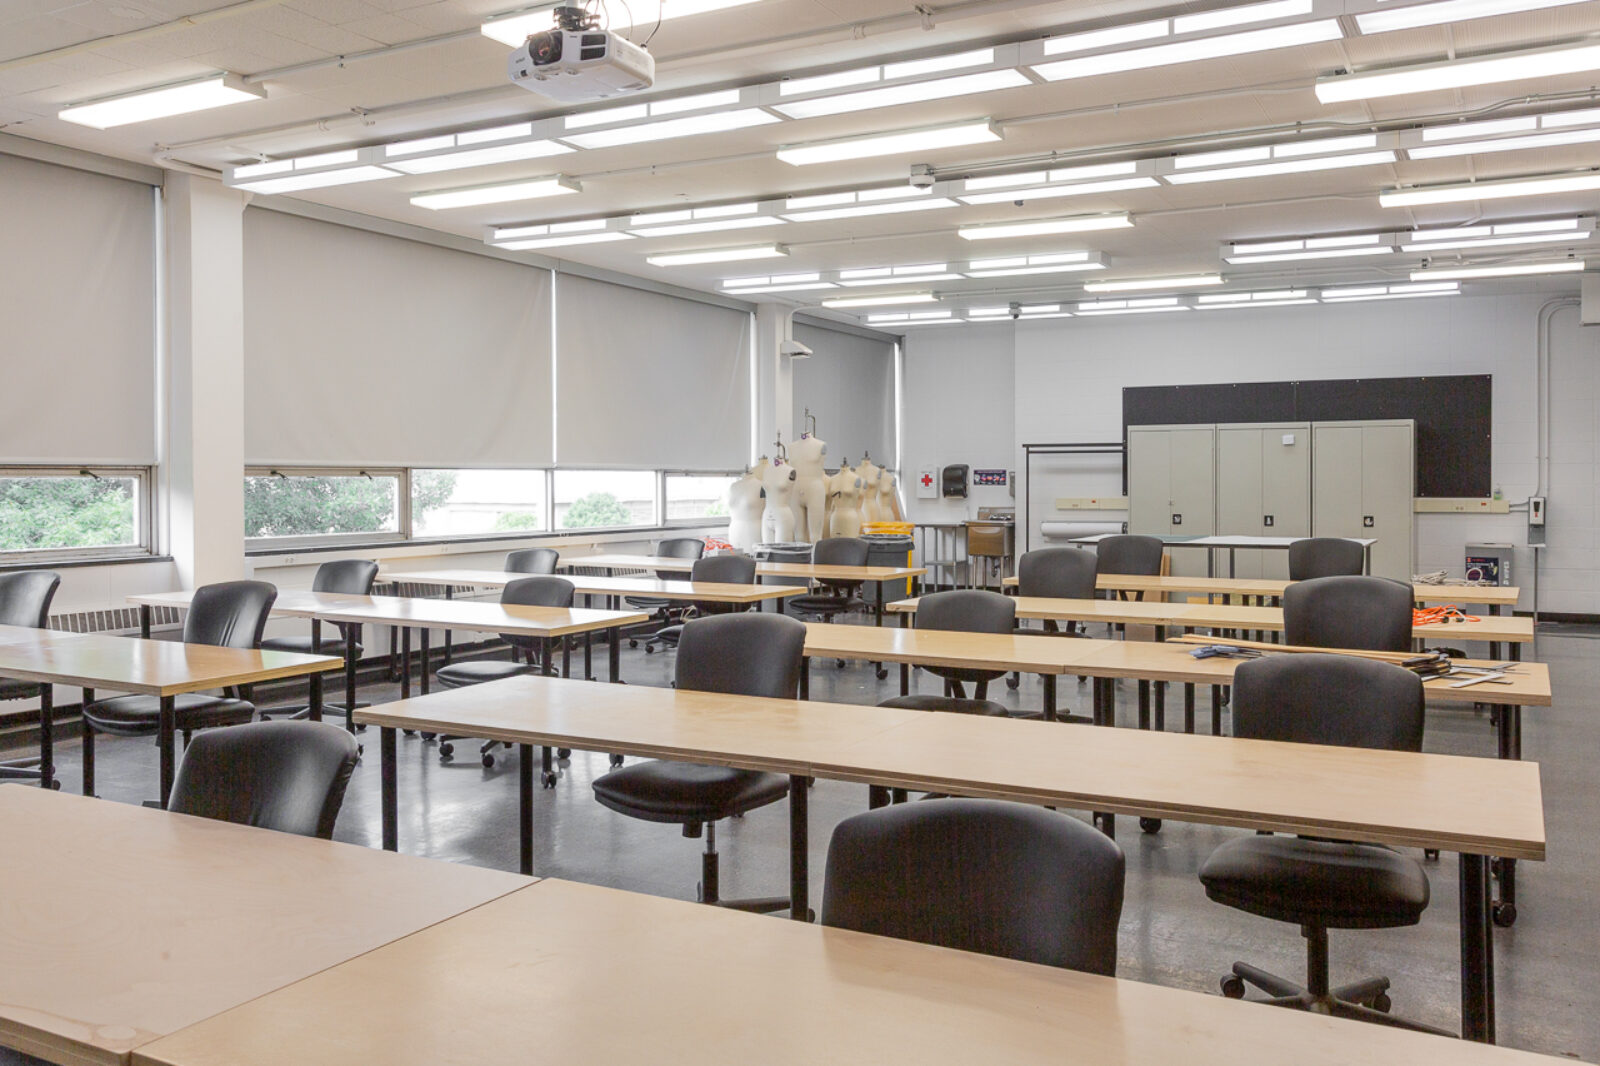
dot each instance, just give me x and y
(424, 635)
(405, 662)
(1477, 951)
(614, 655)
(389, 778)
(525, 809)
(1049, 681)
(1144, 704)
(314, 710)
(1161, 706)
(144, 621)
(905, 679)
(47, 735)
(165, 738)
(877, 611)
(1188, 707)
(1216, 710)
(352, 637)
(799, 850)
(805, 677)
(449, 594)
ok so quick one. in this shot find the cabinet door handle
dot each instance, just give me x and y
(1266, 520)
(1177, 519)
(1368, 521)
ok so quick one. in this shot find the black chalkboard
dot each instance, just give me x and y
(1452, 416)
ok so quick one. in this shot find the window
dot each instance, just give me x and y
(604, 499)
(56, 513)
(697, 497)
(467, 503)
(322, 505)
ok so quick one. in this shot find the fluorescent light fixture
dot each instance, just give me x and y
(1046, 226)
(882, 300)
(1467, 192)
(1271, 298)
(408, 156)
(1285, 251)
(1553, 139)
(1190, 281)
(512, 30)
(583, 225)
(1053, 192)
(897, 275)
(565, 240)
(906, 93)
(1241, 15)
(915, 318)
(506, 192)
(1568, 266)
(322, 180)
(1286, 166)
(1161, 55)
(1360, 293)
(1459, 73)
(891, 207)
(1021, 265)
(1568, 231)
(687, 126)
(1289, 257)
(323, 170)
(882, 144)
(1156, 305)
(776, 283)
(721, 225)
(1404, 18)
(1463, 130)
(718, 255)
(147, 104)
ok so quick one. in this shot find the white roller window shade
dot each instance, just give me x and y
(363, 349)
(848, 385)
(649, 381)
(77, 316)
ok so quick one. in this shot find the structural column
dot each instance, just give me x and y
(774, 377)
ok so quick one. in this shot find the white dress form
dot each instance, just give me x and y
(745, 507)
(777, 521)
(889, 506)
(810, 488)
(870, 475)
(844, 492)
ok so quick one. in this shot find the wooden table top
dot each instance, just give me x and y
(1483, 806)
(146, 667)
(1029, 654)
(763, 569)
(122, 924)
(577, 963)
(430, 613)
(1503, 628)
(1487, 595)
(708, 591)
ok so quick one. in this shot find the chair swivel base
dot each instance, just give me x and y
(706, 892)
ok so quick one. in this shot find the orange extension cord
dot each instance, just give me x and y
(1446, 612)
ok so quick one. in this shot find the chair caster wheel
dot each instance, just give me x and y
(547, 780)
(883, 674)
(633, 643)
(563, 754)
(1430, 855)
(1381, 1002)
(488, 762)
(55, 786)
(1013, 683)
(430, 736)
(616, 761)
(1150, 825)
(838, 664)
(648, 650)
(409, 732)
(446, 750)
(1233, 986)
(1505, 914)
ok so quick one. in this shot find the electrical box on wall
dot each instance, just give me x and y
(954, 481)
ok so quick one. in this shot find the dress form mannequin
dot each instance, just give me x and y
(810, 488)
(745, 507)
(870, 475)
(777, 521)
(889, 507)
(844, 493)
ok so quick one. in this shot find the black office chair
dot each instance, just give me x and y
(25, 601)
(1354, 613)
(532, 561)
(664, 610)
(980, 875)
(1056, 574)
(352, 576)
(722, 569)
(288, 776)
(539, 591)
(751, 654)
(969, 611)
(1322, 884)
(838, 596)
(230, 614)
(1325, 557)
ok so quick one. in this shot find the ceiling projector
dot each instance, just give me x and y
(576, 60)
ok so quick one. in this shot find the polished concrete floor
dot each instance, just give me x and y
(1548, 964)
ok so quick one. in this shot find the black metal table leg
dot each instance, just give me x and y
(1188, 707)
(314, 709)
(389, 777)
(525, 810)
(877, 612)
(144, 621)
(405, 662)
(47, 735)
(905, 679)
(614, 638)
(1144, 704)
(1477, 951)
(449, 594)
(799, 850)
(1049, 681)
(424, 635)
(805, 677)
(1216, 710)
(169, 761)
(352, 637)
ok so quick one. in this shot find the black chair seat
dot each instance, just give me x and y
(660, 791)
(12, 689)
(460, 675)
(302, 645)
(821, 604)
(1317, 882)
(987, 708)
(645, 603)
(140, 716)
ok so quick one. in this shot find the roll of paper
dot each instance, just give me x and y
(1060, 530)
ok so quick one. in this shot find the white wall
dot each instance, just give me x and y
(1069, 374)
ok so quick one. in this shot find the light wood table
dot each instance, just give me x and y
(1494, 597)
(649, 587)
(160, 668)
(125, 924)
(788, 994)
(1476, 807)
(1231, 544)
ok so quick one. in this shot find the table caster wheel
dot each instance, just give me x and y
(1150, 825)
(1233, 986)
(1505, 914)
(547, 780)
(446, 750)
(488, 762)
(1381, 1002)
(409, 732)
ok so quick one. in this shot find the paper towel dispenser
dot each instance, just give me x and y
(954, 479)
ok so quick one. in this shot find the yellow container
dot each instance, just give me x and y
(902, 528)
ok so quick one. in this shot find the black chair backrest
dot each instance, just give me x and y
(1325, 557)
(840, 551)
(725, 569)
(1129, 554)
(979, 875)
(532, 561)
(346, 575)
(540, 591)
(1358, 613)
(1057, 573)
(1328, 699)
(229, 614)
(288, 776)
(678, 548)
(967, 610)
(744, 654)
(25, 597)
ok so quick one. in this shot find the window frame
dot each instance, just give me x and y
(144, 510)
(663, 476)
(545, 530)
(401, 535)
(656, 511)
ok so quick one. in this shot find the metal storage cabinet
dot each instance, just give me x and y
(1264, 489)
(1363, 484)
(1172, 486)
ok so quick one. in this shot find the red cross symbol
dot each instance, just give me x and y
(927, 481)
